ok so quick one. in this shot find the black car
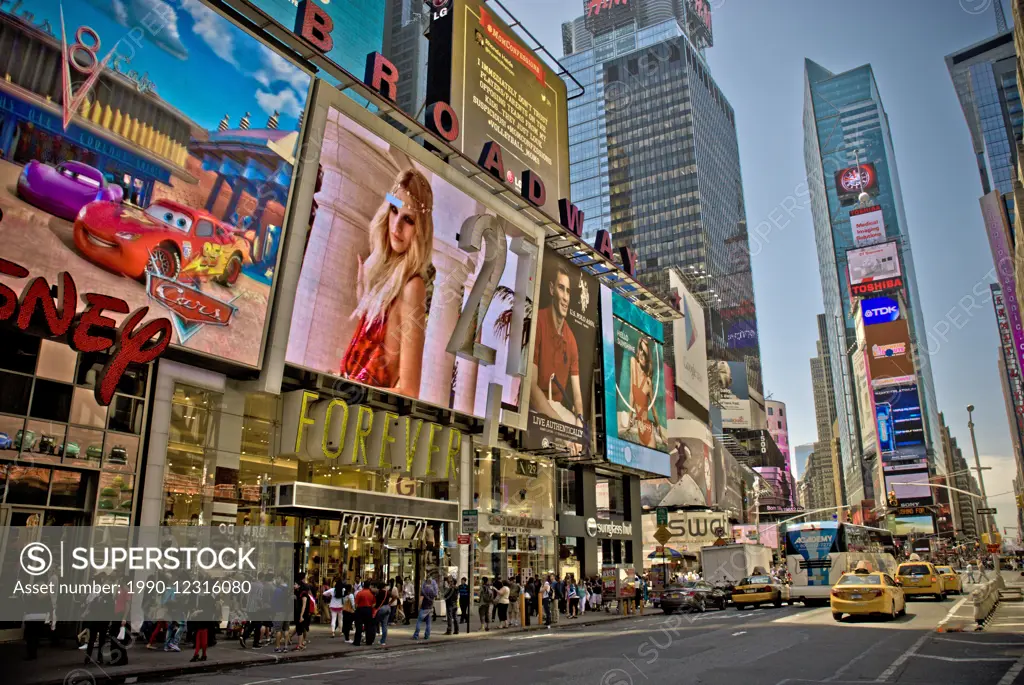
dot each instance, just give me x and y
(692, 596)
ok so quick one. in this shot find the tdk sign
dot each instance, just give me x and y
(879, 310)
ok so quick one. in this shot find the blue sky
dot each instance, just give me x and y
(201, 64)
(758, 62)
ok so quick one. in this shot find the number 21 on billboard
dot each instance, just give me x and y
(93, 68)
(483, 230)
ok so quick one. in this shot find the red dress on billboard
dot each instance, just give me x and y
(641, 399)
(366, 359)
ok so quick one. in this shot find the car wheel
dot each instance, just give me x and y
(701, 607)
(165, 261)
(667, 611)
(941, 597)
(892, 611)
(232, 270)
(778, 602)
(903, 609)
(837, 617)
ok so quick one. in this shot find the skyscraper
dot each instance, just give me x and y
(655, 160)
(820, 475)
(848, 153)
(985, 78)
(405, 22)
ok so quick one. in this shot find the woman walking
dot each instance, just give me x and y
(348, 612)
(574, 598)
(336, 598)
(504, 591)
(385, 601)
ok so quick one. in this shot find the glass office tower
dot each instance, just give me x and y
(845, 124)
(655, 161)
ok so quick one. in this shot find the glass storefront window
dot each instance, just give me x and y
(114, 500)
(84, 446)
(66, 490)
(567, 491)
(86, 410)
(514, 484)
(120, 452)
(611, 500)
(28, 485)
(42, 441)
(56, 362)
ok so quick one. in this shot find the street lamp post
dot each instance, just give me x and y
(981, 477)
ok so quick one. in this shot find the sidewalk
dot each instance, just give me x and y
(960, 618)
(64, 665)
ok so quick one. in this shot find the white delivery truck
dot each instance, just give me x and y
(732, 563)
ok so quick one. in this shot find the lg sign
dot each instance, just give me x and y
(880, 310)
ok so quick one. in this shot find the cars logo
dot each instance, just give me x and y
(880, 310)
(191, 308)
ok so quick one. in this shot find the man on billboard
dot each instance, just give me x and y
(555, 391)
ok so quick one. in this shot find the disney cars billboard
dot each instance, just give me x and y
(142, 188)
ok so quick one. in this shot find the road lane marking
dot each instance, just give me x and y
(953, 611)
(981, 642)
(901, 659)
(963, 660)
(835, 676)
(793, 618)
(532, 637)
(1012, 674)
(742, 632)
(258, 682)
(312, 675)
(509, 656)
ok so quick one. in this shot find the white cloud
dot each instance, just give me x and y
(215, 31)
(276, 68)
(157, 20)
(285, 102)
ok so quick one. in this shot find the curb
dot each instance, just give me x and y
(188, 668)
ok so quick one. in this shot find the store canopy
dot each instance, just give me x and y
(666, 553)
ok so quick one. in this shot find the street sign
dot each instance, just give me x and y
(983, 510)
(464, 539)
(470, 521)
(662, 535)
(662, 516)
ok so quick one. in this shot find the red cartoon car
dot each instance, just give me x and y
(168, 238)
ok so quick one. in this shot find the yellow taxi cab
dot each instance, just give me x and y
(755, 590)
(864, 592)
(920, 578)
(951, 581)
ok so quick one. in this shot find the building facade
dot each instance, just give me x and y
(655, 161)
(848, 148)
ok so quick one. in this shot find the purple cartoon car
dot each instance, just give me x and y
(64, 189)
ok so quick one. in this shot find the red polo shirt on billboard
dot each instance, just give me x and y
(555, 353)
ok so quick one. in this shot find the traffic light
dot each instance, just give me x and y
(893, 501)
(1020, 500)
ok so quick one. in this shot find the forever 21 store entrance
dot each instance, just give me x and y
(359, 535)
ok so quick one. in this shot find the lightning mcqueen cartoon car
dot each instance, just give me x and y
(168, 238)
(64, 189)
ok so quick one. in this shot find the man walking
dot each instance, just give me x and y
(546, 594)
(464, 602)
(365, 602)
(451, 601)
(487, 595)
(970, 573)
(428, 593)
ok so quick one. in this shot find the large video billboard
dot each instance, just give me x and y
(140, 184)
(689, 343)
(910, 483)
(734, 394)
(889, 352)
(867, 224)
(873, 263)
(634, 386)
(603, 15)
(564, 356)
(692, 479)
(851, 181)
(390, 278)
(900, 424)
(502, 92)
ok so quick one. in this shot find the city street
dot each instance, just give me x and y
(770, 646)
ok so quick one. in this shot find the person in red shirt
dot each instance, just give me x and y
(366, 601)
(556, 359)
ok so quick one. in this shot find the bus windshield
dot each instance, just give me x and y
(819, 553)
